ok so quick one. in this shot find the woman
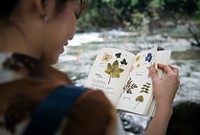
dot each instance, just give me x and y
(32, 35)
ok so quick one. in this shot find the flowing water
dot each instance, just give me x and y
(79, 55)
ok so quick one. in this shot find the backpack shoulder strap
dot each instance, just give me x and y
(52, 110)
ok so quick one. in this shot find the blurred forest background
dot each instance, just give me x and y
(144, 16)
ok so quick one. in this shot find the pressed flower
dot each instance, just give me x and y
(137, 58)
(124, 62)
(132, 68)
(118, 55)
(148, 57)
(106, 57)
(138, 65)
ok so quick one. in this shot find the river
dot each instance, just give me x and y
(79, 55)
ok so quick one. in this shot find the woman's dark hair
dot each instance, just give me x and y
(83, 5)
(7, 7)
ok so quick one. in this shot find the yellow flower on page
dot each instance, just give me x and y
(137, 58)
(106, 57)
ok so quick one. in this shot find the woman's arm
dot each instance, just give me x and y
(164, 91)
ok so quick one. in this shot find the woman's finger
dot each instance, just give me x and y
(154, 75)
(166, 68)
(175, 69)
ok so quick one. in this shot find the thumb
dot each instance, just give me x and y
(154, 75)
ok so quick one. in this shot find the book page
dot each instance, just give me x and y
(163, 57)
(110, 71)
(137, 92)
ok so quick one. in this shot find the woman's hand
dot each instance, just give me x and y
(165, 89)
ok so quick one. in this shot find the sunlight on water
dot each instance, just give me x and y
(84, 38)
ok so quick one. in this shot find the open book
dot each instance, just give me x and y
(124, 78)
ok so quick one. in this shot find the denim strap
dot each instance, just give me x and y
(52, 110)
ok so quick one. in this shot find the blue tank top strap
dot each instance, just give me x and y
(50, 113)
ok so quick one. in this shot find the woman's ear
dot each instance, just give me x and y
(45, 8)
(40, 7)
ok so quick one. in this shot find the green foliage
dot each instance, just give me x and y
(197, 13)
(115, 13)
(188, 7)
(156, 3)
(134, 2)
(106, 1)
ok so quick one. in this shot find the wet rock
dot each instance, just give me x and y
(133, 123)
(185, 119)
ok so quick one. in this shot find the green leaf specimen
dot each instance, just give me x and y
(145, 88)
(130, 85)
(139, 99)
(113, 70)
